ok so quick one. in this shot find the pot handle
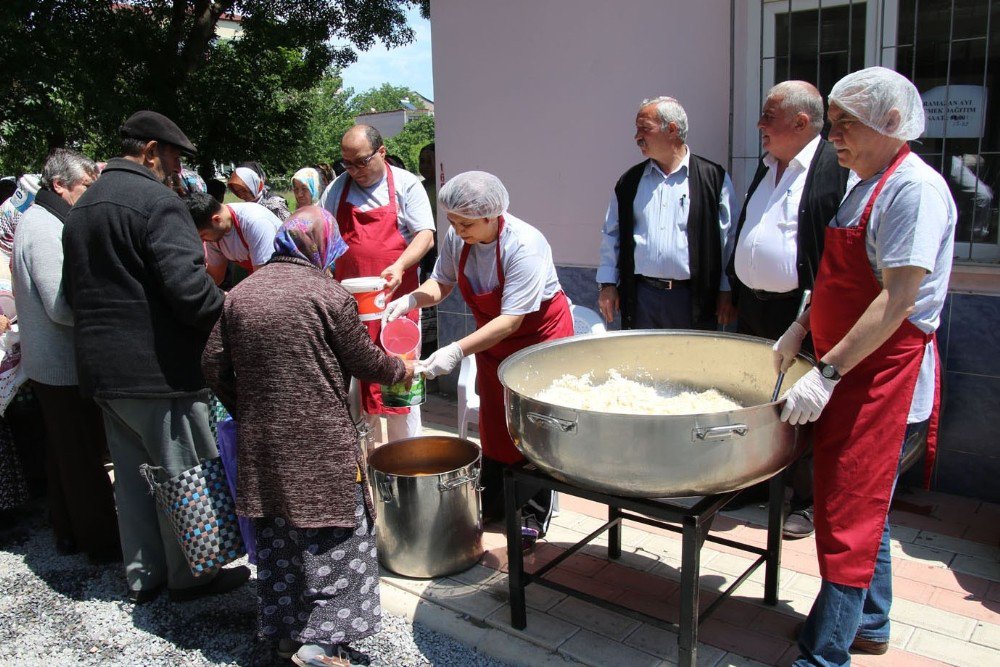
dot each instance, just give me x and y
(384, 487)
(719, 432)
(457, 482)
(564, 425)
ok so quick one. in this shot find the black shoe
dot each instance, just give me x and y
(799, 524)
(145, 595)
(224, 582)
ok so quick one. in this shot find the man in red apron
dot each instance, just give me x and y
(385, 218)
(503, 268)
(878, 297)
(242, 233)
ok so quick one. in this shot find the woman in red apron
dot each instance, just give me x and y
(499, 264)
(863, 416)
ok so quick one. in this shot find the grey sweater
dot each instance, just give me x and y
(44, 318)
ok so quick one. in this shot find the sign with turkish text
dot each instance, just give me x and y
(955, 112)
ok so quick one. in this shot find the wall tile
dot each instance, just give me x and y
(971, 475)
(974, 334)
(581, 287)
(451, 327)
(968, 418)
(453, 303)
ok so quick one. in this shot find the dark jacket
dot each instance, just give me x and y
(822, 192)
(135, 277)
(705, 182)
(280, 359)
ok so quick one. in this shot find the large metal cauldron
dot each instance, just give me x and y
(654, 455)
(427, 502)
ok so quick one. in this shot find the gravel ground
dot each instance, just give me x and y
(60, 610)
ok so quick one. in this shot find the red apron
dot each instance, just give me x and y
(552, 320)
(245, 263)
(859, 434)
(373, 243)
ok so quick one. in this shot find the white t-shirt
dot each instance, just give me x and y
(259, 227)
(912, 224)
(529, 274)
(414, 208)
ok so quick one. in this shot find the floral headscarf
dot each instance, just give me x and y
(312, 234)
(192, 181)
(309, 177)
(254, 183)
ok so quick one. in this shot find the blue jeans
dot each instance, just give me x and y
(841, 613)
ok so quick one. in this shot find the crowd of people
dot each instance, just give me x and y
(124, 329)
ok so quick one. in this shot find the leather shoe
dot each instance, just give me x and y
(145, 595)
(871, 646)
(223, 582)
(799, 524)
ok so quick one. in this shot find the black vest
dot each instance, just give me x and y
(705, 181)
(824, 188)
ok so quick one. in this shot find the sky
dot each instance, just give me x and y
(408, 65)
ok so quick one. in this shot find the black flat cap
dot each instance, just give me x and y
(149, 125)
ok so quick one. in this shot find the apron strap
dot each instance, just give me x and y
(904, 150)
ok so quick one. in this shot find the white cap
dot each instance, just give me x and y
(474, 194)
(882, 99)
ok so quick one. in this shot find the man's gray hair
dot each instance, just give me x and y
(67, 166)
(800, 97)
(670, 111)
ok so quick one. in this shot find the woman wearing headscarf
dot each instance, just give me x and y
(307, 186)
(284, 378)
(503, 268)
(248, 184)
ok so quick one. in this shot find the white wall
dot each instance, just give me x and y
(544, 93)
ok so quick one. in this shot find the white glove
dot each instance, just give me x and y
(399, 307)
(442, 362)
(807, 398)
(787, 347)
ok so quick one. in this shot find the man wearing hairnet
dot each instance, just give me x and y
(878, 297)
(503, 268)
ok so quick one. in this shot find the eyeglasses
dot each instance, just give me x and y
(362, 163)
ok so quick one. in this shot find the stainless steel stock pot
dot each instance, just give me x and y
(654, 455)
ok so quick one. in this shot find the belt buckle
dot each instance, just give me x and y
(667, 283)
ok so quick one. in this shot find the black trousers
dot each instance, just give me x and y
(81, 499)
(535, 505)
(769, 318)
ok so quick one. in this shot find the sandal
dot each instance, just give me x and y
(343, 656)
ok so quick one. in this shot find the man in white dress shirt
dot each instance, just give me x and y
(779, 237)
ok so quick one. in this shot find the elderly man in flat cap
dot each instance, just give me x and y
(144, 305)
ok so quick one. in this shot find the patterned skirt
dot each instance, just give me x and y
(318, 585)
(13, 491)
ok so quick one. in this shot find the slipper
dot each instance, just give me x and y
(321, 660)
(529, 536)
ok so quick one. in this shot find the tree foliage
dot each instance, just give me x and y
(75, 69)
(386, 97)
(407, 144)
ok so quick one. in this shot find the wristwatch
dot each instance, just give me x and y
(829, 371)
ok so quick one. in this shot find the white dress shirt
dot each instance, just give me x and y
(660, 209)
(767, 251)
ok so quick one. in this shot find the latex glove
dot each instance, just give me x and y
(807, 398)
(442, 362)
(787, 347)
(399, 307)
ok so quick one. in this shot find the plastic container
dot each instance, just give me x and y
(370, 294)
(401, 338)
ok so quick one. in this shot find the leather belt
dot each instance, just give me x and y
(664, 283)
(763, 295)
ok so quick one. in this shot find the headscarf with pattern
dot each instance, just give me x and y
(309, 177)
(312, 234)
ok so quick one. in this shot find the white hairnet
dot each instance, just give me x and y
(871, 95)
(474, 194)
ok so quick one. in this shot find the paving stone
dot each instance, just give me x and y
(733, 660)
(957, 545)
(742, 641)
(903, 533)
(415, 586)
(636, 558)
(593, 649)
(987, 634)
(663, 643)
(916, 552)
(943, 622)
(965, 604)
(592, 617)
(479, 575)
(951, 650)
(979, 567)
(542, 629)
(900, 634)
(471, 600)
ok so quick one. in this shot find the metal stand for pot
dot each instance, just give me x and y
(694, 525)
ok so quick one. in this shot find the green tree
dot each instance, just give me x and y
(75, 69)
(386, 97)
(407, 144)
(329, 118)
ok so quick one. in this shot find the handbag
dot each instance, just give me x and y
(201, 511)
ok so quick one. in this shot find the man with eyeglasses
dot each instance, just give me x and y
(667, 232)
(875, 392)
(385, 218)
